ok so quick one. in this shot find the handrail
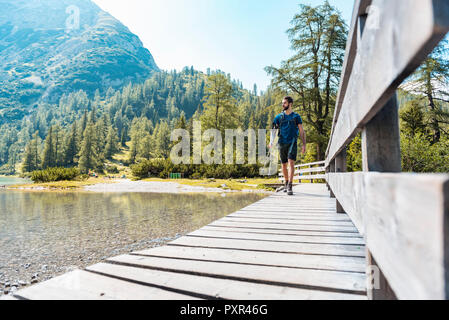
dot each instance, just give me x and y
(315, 173)
(404, 218)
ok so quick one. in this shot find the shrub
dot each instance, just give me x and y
(112, 169)
(54, 174)
(162, 169)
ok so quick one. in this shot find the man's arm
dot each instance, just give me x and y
(303, 138)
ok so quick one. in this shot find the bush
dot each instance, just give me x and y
(112, 169)
(162, 169)
(419, 155)
(54, 174)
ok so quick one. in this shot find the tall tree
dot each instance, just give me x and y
(430, 81)
(49, 160)
(88, 157)
(31, 158)
(111, 144)
(318, 36)
(220, 107)
(71, 147)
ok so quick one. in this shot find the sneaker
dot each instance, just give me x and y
(290, 189)
(286, 187)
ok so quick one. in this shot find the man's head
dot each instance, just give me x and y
(287, 103)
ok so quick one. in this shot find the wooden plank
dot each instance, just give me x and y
(284, 227)
(304, 278)
(284, 232)
(310, 164)
(218, 288)
(277, 238)
(408, 31)
(281, 217)
(312, 177)
(317, 262)
(82, 285)
(307, 213)
(309, 170)
(288, 222)
(402, 217)
(291, 212)
(266, 246)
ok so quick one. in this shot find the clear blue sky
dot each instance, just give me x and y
(240, 37)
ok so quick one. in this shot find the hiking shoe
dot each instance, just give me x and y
(290, 189)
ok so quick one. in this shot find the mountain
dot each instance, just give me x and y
(53, 47)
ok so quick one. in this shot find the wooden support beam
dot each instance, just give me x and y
(332, 170)
(381, 140)
(340, 167)
(378, 286)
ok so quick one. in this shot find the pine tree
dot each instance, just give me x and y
(31, 157)
(48, 160)
(71, 147)
(88, 157)
(220, 106)
(111, 144)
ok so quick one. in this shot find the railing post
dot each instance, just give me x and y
(381, 152)
(340, 166)
(331, 170)
(381, 140)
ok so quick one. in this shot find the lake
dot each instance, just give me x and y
(44, 234)
(8, 181)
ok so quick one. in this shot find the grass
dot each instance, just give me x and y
(231, 184)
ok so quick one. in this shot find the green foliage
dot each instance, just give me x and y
(412, 118)
(220, 108)
(354, 155)
(54, 174)
(162, 168)
(420, 155)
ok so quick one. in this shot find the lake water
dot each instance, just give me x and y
(8, 181)
(50, 233)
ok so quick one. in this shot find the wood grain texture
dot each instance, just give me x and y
(82, 285)
(219, 288)
(402, 217)
(303, 278)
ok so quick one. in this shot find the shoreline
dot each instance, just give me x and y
(145, 186)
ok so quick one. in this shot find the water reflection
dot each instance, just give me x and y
(69, 228)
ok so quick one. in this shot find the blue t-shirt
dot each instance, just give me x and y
(289, 131)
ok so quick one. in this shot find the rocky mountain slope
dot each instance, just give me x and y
(52, 47)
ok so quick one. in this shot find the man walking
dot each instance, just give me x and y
(289, 126)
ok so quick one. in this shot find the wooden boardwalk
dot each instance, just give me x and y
(278, 248)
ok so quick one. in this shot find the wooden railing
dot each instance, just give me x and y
(307, 172)
(404, 218)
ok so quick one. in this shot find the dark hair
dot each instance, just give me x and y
(289, 99)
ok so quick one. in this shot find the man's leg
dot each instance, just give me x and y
(291, 165)
(292, 154)
(285, 172)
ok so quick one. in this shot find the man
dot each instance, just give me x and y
(290, 127)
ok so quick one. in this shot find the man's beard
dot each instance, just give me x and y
(286, 108)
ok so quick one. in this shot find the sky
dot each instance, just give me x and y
(240, 37)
